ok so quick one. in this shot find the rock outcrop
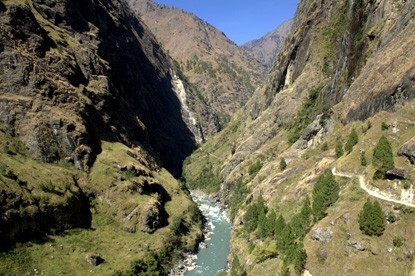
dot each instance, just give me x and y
(396, 173)
(408, 150)
(322, 235)
(151, 217)
(94, 259)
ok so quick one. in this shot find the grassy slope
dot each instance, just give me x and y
(65, 253)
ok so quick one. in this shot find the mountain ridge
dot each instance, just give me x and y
(222, 72)
(266, 48)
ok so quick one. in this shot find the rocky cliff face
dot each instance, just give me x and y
(344, 62)
(266, 48)
(224, 74)
(91, 110)
(71, 77)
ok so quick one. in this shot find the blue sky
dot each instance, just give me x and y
(240, 20)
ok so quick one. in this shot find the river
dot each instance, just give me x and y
(212, 259)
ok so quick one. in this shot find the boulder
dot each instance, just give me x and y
(408, 150)
(322, 235)
(94, 259)
(396, 174)
(357, 245)
(324, 253)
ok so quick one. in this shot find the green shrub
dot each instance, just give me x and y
(363, 160)
(397, 241)
(177, 225)
(352, 140)
(2, 169)
(47, 187)
(339, 149)
(384, 126)
(149, 266)
(283, 164)
(255, 168)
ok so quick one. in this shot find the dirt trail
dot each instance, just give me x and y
(371, 190)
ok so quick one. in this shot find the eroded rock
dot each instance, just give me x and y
(408, 150)
(151, 217)
(322, 235)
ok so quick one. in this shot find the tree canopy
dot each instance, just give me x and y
(371, 219)
(383, 156)
(352, 140)
(325, 194)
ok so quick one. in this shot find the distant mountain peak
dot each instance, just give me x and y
(266, 48)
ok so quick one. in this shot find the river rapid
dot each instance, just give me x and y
(214, 250)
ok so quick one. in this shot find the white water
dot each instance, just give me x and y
(212, 259)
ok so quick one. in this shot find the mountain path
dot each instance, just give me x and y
(375, 192)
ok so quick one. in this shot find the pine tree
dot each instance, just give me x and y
(253, 213)
(371, 219)
(325, 193)
(364, 217)
(287, 240)
(305, 214)
(262, 226)
(236, 268)
(279, 227)
(272, 217)
(300, 259)
(301, 222)
(251, 218)
(261, 204)
(283, 164)
(379, 224)
(352, 140)
(383, 156)
(339, 149)
(363, 160)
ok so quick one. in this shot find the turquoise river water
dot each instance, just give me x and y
(212, 259)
